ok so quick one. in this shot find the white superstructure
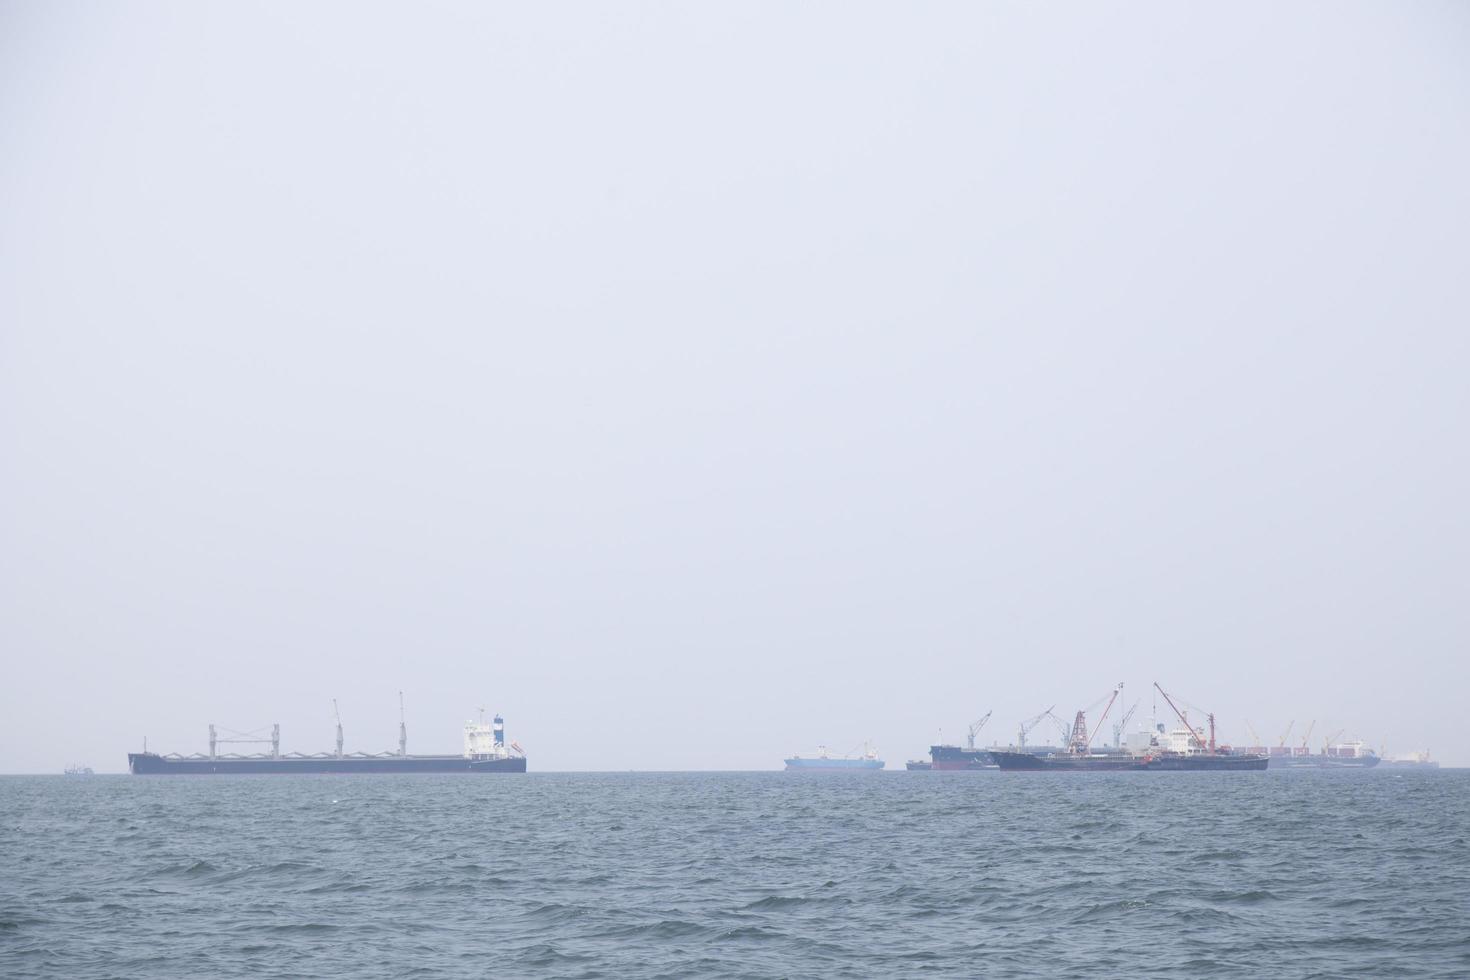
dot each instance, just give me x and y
(1182, 740)
(482, 741)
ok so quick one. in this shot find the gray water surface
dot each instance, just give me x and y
(737, 874)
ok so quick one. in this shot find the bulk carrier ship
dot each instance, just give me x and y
(1345, 755)
(954, 758)
(485, 751)
(823, 762)
(1183, 749)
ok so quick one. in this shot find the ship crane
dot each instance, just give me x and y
(256, 737)
(1330, 740)
(975, 728)
(1306, 737)
(1082, 722)
(1121, 725)
(1256, 743)
(1062, 727)
(1185, 721)
(1286, 734)
(1078, 739)
(1031, 723)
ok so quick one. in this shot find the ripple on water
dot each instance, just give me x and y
(736, 875)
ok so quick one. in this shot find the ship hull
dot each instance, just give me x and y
(151, 764)
(833, 765)
(952, 758)
(1323, 762)
(1025, 762)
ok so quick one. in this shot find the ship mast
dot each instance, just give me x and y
(338, 715)
(402, 729)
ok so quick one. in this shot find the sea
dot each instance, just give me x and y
(895, 874)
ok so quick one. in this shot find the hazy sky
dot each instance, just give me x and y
(697, 383)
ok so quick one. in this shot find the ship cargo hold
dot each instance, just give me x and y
(485, 751)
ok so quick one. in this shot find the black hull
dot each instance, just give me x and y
(152, 764)
(1025, 762)
(952, 758)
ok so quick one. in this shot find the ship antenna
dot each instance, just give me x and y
(402, 728)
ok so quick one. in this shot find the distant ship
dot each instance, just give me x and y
(1344, 755)
(823, 762)
(1185, 748)
(485, 751)
(953, 758)
(77, 770)
(918, 765)
(1411, 760)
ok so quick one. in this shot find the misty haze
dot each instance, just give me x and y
(692, 386)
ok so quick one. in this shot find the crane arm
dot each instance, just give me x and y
(976, 726)
(1182, 720)
(1093, 734)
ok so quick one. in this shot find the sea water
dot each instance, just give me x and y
(1296, 874)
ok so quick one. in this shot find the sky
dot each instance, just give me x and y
(697, 384)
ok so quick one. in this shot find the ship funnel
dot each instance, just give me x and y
(499, 731)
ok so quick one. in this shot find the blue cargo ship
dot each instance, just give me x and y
(822, 762)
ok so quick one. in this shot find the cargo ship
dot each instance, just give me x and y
(953, 758)
(1344, 755)
(822, 762)
(1410, 760)
(1184, 748)
(485, 751)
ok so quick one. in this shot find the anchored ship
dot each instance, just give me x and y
(485, 751)
(823, 762)
(1411, 760)
(1344, 755)
(954, 758)
(1183, 748)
